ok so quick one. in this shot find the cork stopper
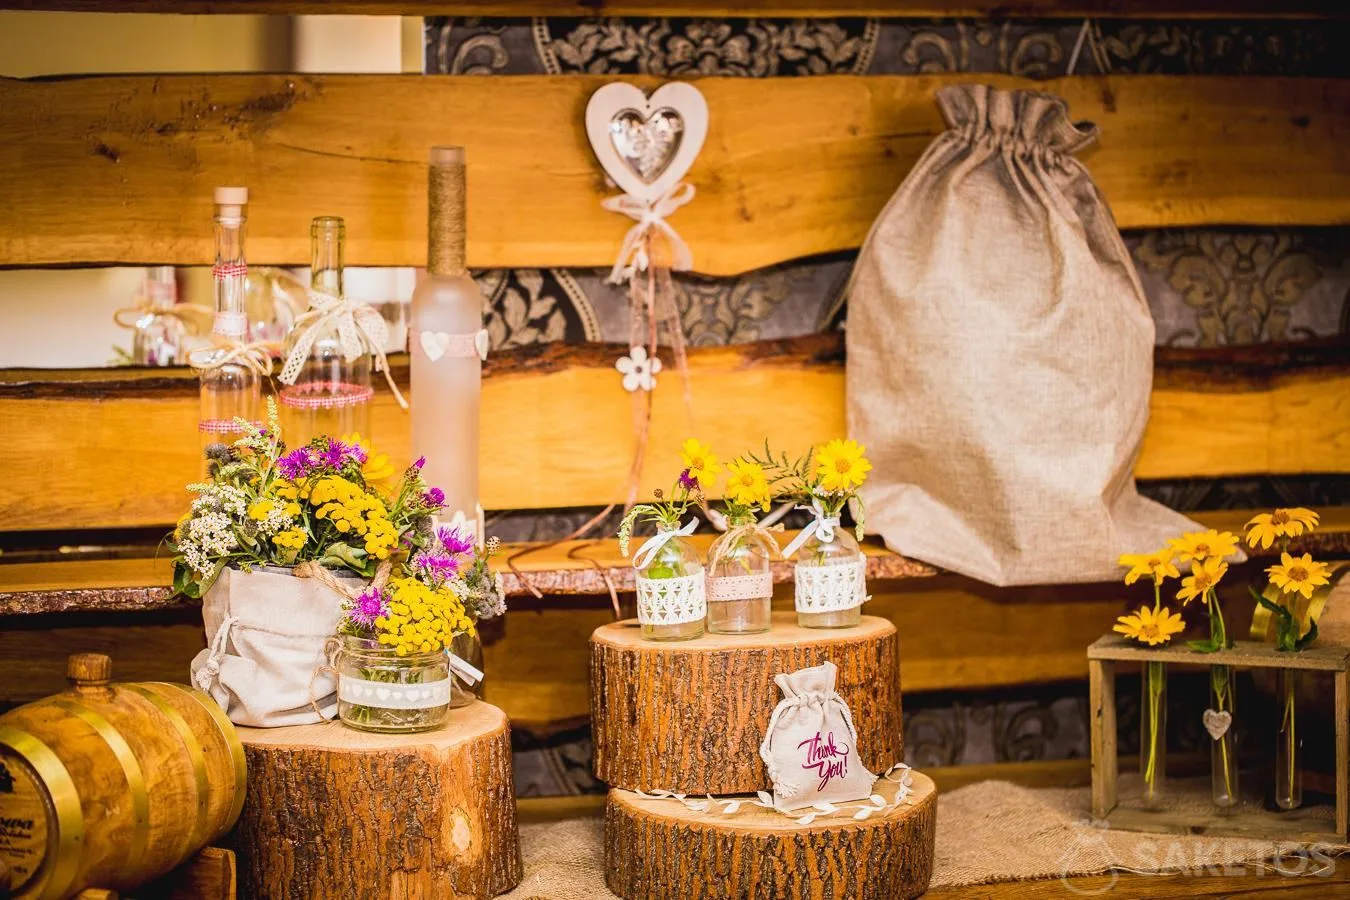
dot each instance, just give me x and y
(230, 201)
(445, 212)
(88, 670)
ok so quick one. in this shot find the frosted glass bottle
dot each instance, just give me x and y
(830, 579)
(229, 388)
(740, 581)
(445, 346)
(332, 394)
(159, 336)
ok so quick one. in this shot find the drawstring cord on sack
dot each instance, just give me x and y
(211, 670)
(332, 651)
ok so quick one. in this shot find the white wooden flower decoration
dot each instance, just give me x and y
(638, 370)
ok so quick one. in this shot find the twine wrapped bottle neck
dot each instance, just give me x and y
(445, 220)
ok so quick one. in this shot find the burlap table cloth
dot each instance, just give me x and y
(988, 832)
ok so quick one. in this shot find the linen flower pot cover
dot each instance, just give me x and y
(265, 632)
(811, 747)
(1000, 354)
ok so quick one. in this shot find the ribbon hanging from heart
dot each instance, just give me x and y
(646, 146)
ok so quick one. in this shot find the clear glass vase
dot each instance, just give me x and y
(671, 593)
(1221, 718)
(1288, 744)
(1153, 733)
(378, 690)
(740, 580)
(160, 338)
(830, 578)
(468, 646)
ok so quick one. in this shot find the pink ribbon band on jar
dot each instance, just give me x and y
(739, 587)
(222, 426)
(325, 395)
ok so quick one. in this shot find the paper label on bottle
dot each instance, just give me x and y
(230, 324)
(739, 587)
(23, 820)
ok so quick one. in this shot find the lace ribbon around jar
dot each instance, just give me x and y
(394, 696)
(830, 588)
(671, 601)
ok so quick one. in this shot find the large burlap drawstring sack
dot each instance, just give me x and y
(1000, 355)
(266, 632)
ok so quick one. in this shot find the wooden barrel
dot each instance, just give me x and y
(110, 785)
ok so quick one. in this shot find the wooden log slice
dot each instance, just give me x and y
(335, 812)
(689, 716)
(660, 850)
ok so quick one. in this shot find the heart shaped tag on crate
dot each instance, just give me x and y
(646, 144)
(1217, 723)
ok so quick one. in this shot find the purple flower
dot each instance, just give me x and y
(435, 567)
(421, 461)
(687, 481)
(434, 498)
(454, 541)
(297, 464)
(366, 608)
(336, 454)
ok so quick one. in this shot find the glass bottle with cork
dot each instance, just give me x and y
(447, 344)
(332, 392)
(230, 387)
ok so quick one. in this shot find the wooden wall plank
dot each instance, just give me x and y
(557, 427)
(121, 168)
(1278, 9)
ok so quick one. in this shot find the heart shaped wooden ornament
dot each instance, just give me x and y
(1217, 723)
(647, 144)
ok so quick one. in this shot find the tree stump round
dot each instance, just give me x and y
(658, 849)
(335, 812)
(689, 716)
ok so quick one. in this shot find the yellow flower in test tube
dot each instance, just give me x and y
(1199, 546)
(1205, 575)
(1157, 565)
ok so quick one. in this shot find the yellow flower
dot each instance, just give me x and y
(1149, 627)
(1202, 545)
(699, 459)
(290, 539)
(841, 466)
(1298, 576)
(747, 485)
(1292, 522)
(260, 510)
(1204, 576)
(377, 467)
(286, 490)
(1157, 565)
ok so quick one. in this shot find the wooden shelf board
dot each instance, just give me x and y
(571, 568)
(1243, 654)
(1129, 9)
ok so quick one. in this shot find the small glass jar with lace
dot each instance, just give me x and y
(831, 572)
(671, 591)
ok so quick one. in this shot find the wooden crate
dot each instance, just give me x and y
(1296, 824)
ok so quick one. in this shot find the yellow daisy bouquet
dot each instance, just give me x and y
(826, 477)
(324, 502)
(1288, 596)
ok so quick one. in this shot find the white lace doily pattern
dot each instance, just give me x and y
(830, 588)
(740, 587)
(394, 696)
(671, 601)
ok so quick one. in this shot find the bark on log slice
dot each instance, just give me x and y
(689, 716)
(335, 812)
(660, 850)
